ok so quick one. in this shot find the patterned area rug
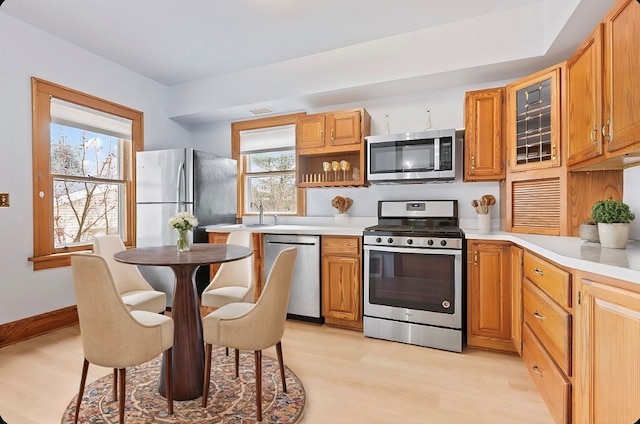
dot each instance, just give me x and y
(231, 399)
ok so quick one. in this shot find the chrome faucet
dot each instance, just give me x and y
(275, 219)
(260, 209)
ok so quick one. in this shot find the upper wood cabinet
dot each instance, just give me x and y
(533, 120)
(622, 79)
(603, 113)
(484, 147)
(584, 101)
(332, 137)
(489, 295)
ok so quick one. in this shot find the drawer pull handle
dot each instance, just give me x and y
(537, 370)
(537, 315)
(539, 272)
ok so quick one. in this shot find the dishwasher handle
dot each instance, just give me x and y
(292, 243)
(291, 239)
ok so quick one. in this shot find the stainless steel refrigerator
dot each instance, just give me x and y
(172, 180)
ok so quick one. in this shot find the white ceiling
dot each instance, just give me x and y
(197, 46)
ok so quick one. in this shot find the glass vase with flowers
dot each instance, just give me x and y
(183, 222)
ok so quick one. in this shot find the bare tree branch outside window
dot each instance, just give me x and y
(87, 185)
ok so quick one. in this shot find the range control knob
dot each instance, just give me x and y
(378, 240)
(389, 240)
(443, 242)
(430, 242)
(410, 241)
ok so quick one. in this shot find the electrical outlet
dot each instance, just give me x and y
(4, 200)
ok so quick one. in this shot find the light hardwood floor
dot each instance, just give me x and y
(348, 379)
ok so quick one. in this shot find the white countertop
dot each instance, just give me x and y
(349, 226)
(570, 252)
(575, 253)
(288, 229)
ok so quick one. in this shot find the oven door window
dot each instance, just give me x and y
(412, 281)
(402, 156)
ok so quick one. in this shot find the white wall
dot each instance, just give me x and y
(405, 114)
(632, 198)
(28, 52)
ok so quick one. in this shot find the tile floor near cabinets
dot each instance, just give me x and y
(348, 379)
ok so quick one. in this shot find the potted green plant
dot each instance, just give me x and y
(613, 218)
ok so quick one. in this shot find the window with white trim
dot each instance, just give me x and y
(270, 174)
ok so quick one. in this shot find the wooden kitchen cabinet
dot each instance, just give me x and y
(517, 254)
(483, 139)
(621, 77)
(603, 113)
(548, 332)
(342, 281)
(257, 257)
(607, 351)
(533, 120)
(584, 101)
(328, 137)
(489, 295)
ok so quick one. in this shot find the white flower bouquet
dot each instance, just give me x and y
(183, 221)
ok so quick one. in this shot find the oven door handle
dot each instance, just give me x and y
(414, 250)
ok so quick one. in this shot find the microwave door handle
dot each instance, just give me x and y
(436, 154)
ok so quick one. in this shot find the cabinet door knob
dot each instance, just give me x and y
(331, 134)
(594, 135)
(539, 272)
(538, 316)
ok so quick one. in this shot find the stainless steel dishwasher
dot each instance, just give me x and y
(304, 301)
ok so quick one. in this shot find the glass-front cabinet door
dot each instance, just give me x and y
(533, 134)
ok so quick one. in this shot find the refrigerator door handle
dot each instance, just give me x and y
(182, 179)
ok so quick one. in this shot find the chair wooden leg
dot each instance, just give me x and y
(83, 380)
(237, 362)
(207, 374)
(281, 364)
(226, 351)
(258, 360)
(115, 384)
(168, 376)
(123, 396)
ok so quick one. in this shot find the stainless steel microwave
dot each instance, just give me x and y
(411, 157)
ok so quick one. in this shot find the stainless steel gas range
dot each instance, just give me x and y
(413, 284)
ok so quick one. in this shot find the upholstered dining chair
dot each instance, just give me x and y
(248, 326)
(112, 335)
(234, 281)
(135, 291)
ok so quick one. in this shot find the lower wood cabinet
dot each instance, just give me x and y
(548, 378)
(342, 281)
(517, 254)
(608, 353)
(489, 295)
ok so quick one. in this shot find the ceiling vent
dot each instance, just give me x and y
(261, 110)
